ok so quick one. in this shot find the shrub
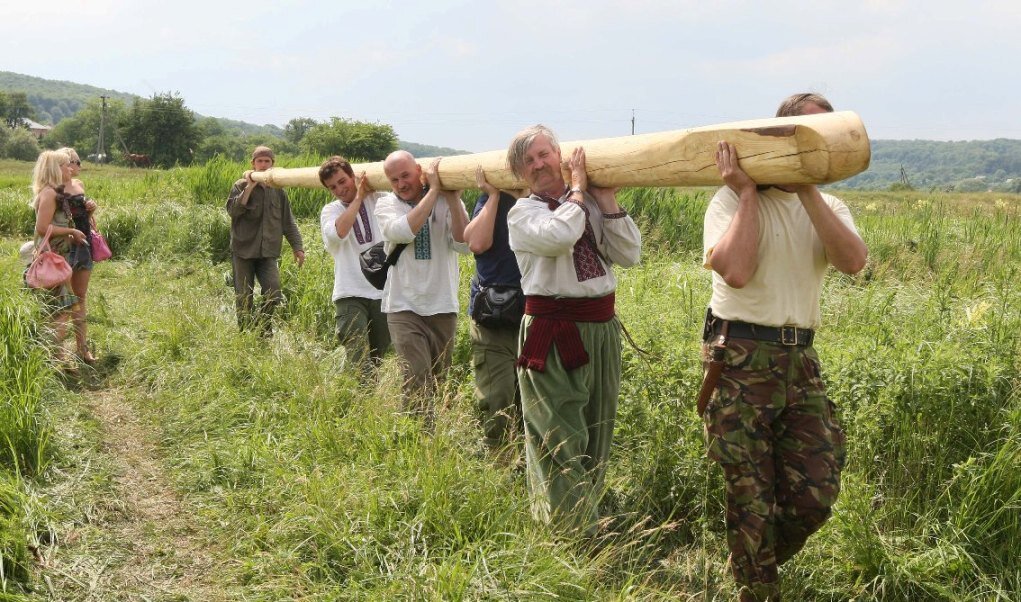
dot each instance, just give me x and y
(22, 145)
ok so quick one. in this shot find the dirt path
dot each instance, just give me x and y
(143, 544)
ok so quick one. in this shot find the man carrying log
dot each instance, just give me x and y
(566, 240)
(348, 226)
(769, 423)
(260, 217)
(420, 296)
(495, 304)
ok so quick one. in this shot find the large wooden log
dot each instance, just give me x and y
(808, 149)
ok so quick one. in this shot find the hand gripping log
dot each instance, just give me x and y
(806, 149)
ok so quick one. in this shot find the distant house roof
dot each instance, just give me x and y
(38, 130)
(32, 125)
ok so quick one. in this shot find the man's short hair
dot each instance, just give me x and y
(263, 151)
(331, 166)
(519, 146)
(793, 104)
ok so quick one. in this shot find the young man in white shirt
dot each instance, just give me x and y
(349, 228)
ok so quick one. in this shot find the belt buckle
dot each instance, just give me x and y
(789, 335)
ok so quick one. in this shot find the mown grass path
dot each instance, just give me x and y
(127, 531)
(145, 545)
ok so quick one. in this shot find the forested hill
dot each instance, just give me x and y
(54, 100)
(967, 166)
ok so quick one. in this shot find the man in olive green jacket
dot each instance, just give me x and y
(260, 217)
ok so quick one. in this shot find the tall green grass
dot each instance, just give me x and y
(318, 487)
(25, 428)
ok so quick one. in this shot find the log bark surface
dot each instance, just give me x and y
(807, 149)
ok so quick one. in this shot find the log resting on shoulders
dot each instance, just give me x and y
(805, 149)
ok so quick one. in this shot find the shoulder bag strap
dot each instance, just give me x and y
(391, 259)
(45, 244)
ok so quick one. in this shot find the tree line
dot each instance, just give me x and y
(965, 166)
(168, 133)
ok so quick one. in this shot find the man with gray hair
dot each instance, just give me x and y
(566, 240)
(260, 217)
(420, 296)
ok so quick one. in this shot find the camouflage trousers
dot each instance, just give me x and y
(774, 432)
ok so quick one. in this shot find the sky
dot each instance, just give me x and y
(469, 75)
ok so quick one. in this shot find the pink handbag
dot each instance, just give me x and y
(48, 269)
(100, 250)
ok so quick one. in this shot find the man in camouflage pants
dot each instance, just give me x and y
(769, 423)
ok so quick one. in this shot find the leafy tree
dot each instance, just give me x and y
(210, 126)
(229, 145)
(296, 128)
(22, 145)
(162, 128)
(5, 134)
(16, 107)
(353, 139)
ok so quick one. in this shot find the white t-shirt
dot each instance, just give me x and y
(348, 280)
(425, 278)
(787, 284)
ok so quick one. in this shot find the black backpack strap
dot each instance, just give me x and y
(391, 259)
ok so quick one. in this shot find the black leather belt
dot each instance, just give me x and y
(791, 336)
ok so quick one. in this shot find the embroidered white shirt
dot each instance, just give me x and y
(426, 276)
(543, 243)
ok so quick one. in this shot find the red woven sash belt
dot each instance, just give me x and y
(555, 322)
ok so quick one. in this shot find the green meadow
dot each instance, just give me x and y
(199, 463)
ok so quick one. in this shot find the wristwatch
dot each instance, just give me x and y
(576, 189)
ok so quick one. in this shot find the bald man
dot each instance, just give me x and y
(420, 296)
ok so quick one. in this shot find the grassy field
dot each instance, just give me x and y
(197, 463)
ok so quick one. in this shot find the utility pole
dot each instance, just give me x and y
(100, 155)
(904, 179)
(632, 122)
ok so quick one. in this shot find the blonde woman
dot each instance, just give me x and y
(81, 209)
(52, 172)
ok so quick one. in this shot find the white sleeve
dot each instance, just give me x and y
(327, 225)
(537, 230)
(393, 221)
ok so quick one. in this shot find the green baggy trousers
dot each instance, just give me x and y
(568, 419)
(494, 353)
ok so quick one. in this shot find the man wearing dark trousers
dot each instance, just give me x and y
(495, 304)
(260, 217)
